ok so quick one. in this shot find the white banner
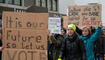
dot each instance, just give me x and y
(54, 25)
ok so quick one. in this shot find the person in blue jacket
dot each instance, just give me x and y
(89, 40)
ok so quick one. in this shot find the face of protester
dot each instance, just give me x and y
(62, 32)
(85, 31)
(70, 31)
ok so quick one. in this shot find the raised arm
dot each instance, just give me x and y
(78, 30)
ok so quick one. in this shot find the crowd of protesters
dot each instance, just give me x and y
(74, 43)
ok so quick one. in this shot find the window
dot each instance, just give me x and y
(1, 1)
(44, 3)
(41, 3)
(38, 3)
(54, 5)
(10, 1)
(50, 5)
(17, 2)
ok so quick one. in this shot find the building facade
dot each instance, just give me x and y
(37, 6)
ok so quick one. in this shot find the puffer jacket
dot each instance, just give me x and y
(89, 43)
(73, 48)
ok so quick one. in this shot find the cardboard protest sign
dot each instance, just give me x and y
(24, 28)
(65, 21)
(21, 54)
(13, 20)
(85, 15)
(25, 39)
(23, 35)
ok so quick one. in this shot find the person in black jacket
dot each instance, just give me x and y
(99, 47)
(1, 44)
(57, 42)
(72, 47)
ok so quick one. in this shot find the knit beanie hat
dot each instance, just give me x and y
(72, 26)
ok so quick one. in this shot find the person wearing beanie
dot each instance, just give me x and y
(72, 47)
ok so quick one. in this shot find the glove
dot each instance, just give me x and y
(59, 59)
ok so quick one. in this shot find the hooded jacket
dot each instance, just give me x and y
(73, 48)
(89, 43)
